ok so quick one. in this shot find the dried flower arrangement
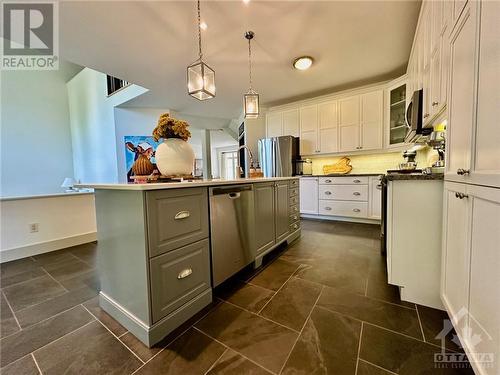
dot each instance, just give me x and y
(169, 127)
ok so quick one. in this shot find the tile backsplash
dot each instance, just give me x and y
(375, 163)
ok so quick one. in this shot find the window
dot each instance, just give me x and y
(228, 165)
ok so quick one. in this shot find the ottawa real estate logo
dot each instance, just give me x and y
(30, 35)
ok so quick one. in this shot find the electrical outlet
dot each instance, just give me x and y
(33, 227)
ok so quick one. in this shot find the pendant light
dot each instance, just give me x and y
(251, 98)
(200, 77)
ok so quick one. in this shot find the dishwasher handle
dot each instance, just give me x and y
(231, 190)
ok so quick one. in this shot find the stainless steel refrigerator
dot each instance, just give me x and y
(278, 156)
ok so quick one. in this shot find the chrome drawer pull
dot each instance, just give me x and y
(356, 181)
(356, 193)
(328, 192)
(328, 208)
(461, 195)
(328, 181)
(181, 215)
(356, 210)
(184, 273)
(461, 171)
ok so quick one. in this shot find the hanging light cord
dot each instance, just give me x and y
(199, 31)
(250, 62)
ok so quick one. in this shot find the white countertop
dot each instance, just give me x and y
(184, 184)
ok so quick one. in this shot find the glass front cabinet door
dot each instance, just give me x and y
(396, 114)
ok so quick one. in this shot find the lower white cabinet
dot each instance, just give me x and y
(470, 275)
(309, 195)
(341, 197)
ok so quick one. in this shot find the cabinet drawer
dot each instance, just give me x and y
(294, 191)
(176, 218)
(294, 183)
(343, 208)
(178, 276)
(294, 227)
(294, 209)
(344, 192)
(293, 200)
(294, 217)
(361, 180)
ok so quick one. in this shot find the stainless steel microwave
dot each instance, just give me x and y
(414, 119)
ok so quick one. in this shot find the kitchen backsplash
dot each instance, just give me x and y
(375, 163)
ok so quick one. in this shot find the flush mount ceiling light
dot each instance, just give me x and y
(200, 77)
(303, 62)
(251, 98)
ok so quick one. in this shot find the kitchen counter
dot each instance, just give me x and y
(183, 184)
(343, 175)
(414, 176)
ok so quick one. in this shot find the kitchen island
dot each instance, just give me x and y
(164, 246)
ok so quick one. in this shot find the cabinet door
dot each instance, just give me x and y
(264, 215)
(435, 82)
(274, 124)
(179, 276)
(291, 122)
(445, 69)
(486, 165)
(375, 198)
(309, 195)
(484, 305)
(371, 120)
(176, 218)
(456, 254)
(282, 216)
(461, 100)
(437, 23)
(349, 124)
(309, 130)
(328, 127)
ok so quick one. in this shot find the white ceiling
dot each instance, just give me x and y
(151, 43)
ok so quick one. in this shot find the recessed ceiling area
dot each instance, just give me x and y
(151, 44)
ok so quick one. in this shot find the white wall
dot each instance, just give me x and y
(63, 221)
(36, 152)
(93, 125)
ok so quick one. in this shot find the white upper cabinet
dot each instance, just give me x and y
(372, 105)
(328, 127)
(396, 98)
(461, 114)
(274, 124)
(349, 124)
(309, 130)
(291, 122)
(486, 163)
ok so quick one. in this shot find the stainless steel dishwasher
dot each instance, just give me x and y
(232, 230)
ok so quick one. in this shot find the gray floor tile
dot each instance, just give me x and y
(249, 297)
(89, 350)
(32, 292)
(275, 275)
(21, 277)
(53, 306)
(93, 306)
(68, 269)
(191, 353)
(338, 278)
(53, 258)
(433, 322)
(293, 303)
(263, 341)
(141, 350)
(89, 279)
(8, 324)
(365, 368)
(328, 345)
(233, 363)
(23, 366)
(401, 354)
(394, 317)
(24, 342)
(9, 269)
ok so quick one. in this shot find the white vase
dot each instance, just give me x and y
(174, 157)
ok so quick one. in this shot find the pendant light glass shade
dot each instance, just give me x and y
(200, 77)
(251, 98)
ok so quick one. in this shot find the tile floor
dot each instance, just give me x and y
(322, 305)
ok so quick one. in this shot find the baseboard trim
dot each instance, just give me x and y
(45, 247)
(341, 218)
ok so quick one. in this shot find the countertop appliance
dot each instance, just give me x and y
(232, 227)
(304, 167)
(414, 118)
(279, 156)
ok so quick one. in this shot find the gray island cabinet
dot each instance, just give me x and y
(154, 254)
